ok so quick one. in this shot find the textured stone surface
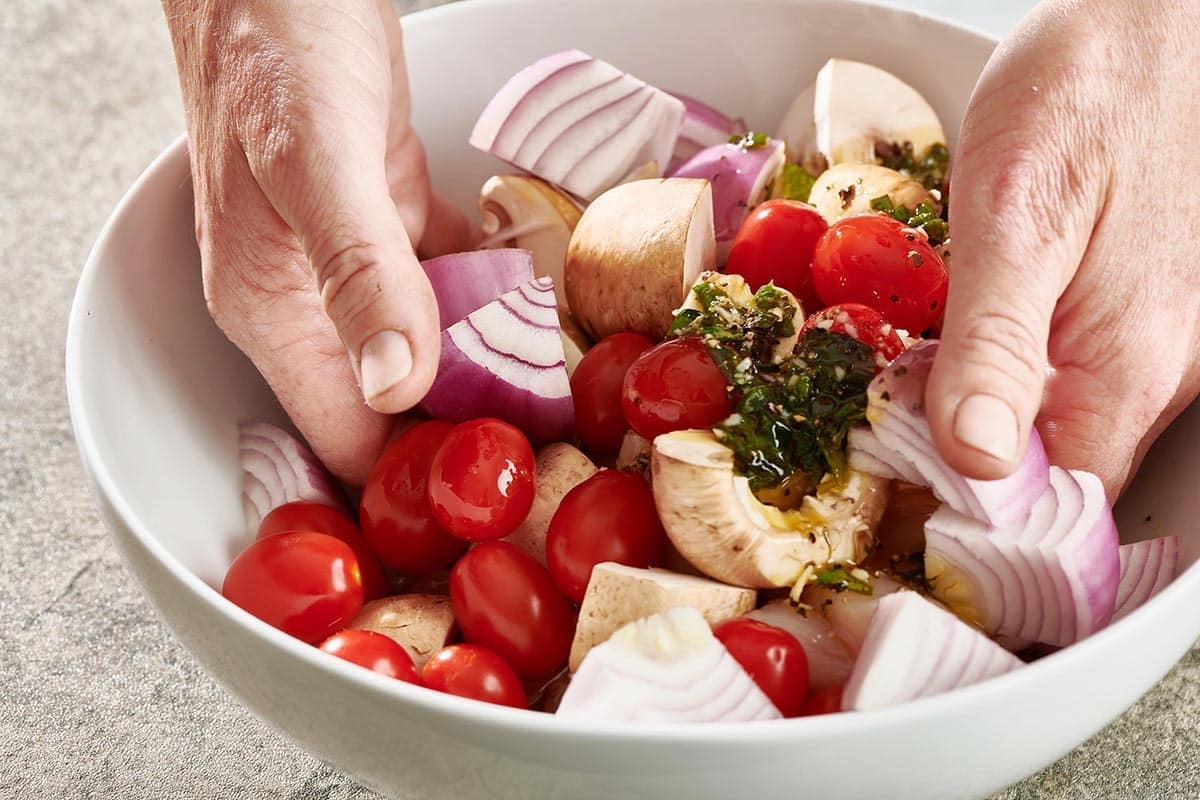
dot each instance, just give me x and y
(96, 698)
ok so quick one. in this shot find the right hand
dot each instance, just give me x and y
(311, 197)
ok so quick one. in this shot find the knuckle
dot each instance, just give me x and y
(350, 281)
(1003, 341)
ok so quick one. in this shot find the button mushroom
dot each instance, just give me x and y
(421, 623)
(848, 189)
(717, 524)
(635, 253)
(617, 595)
(559, 468)
(856, 105)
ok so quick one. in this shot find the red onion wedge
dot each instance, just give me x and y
(580, 123)
(702, 126)
(1146, 567)
(506, 360)
(464, 282)
(829, 662)
(915, 649)
(278, 468)
(1051, 579)
(739, 177)
(896, 411)
(664, 668)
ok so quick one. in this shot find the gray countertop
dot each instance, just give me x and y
(96, 698)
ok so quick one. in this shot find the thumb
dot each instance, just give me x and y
(1020, 222)
(328, 180)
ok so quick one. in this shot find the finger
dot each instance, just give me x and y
(447, 230)
(319, 150)
(1021, 215)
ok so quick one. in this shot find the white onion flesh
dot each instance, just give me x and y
(278, 468)
(464, 282)
(579, 123)
(506, 360)
(914, 649)
(1051, 579)
(665, 668)
(1146, 567)
(896, 411)
(739, 177)
(829, 661)
(702, 126)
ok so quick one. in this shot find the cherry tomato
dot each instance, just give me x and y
(673, 386)
(596, 390)
(303, 515)
(306, 584)
(776, 243)
(773, 657)
(864, 324)
(468, 670)
(374, 651)
(506, 601)
(823, 701)
(885, 264)
(394, 510)
(481, 480)
(609, 517)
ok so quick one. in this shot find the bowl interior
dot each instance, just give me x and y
(156, 390)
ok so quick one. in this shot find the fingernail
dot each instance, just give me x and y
(988, 424)
(386, 359)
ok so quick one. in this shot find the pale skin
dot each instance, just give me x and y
(1075, 218)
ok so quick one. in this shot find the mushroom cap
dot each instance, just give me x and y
(848, 189)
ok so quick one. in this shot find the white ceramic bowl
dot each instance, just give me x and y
(155, 393)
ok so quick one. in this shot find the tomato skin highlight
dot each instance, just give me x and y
(469, 670)
(596, 390)
(396, 518)
(609, 517)
(773, 658)
(303, 515)
(776, 243)
(862, 323)
(823, 701)
(374, 651)
(305, 584)
(675, 386)
(883, 263)
(481, 480)
(506, 601)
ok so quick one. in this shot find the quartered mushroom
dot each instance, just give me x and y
(848, 189)
(559, 468)
(741, 297)
(421, 623)
(635, 253)
(857, 105)
(715, 521)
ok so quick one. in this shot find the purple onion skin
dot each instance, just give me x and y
(733, 171)
(466, 282)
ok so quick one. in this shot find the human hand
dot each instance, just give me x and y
(1075, 219)
(311, 195)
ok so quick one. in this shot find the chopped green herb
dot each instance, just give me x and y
(840, 579)
(796, 183)
(750, 140)
(929, 170)
(924, 217)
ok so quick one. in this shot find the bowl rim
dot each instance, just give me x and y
(520, 721)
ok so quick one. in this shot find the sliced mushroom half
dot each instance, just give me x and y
(848, 189)
(714, 520)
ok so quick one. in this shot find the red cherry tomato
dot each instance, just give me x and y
(609, 517)
(674, 386)
(864, 324)
(823, 701)
(773, 657)
(303, 515)
(395, 514)
(506, 601)
(776, 243)
(882, 263)
(596, 390)
(306, 584)
(481, 480)
(374, 651)
(468, 670)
